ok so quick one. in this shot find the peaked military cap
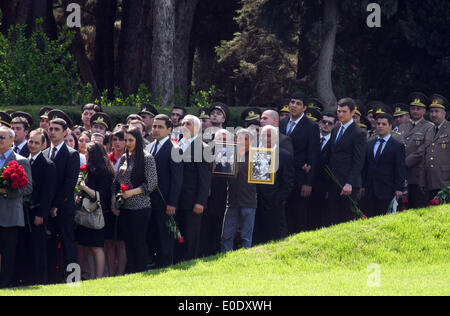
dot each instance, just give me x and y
(438, 101)
(5, 119)
(53, 114)
(418, 99)
(27, 116)
(101, 118)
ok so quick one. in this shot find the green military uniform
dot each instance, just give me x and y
(414, 135)
(437, 152)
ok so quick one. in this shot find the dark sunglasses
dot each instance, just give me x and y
(327, 122)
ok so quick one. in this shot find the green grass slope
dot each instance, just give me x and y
(411, 253)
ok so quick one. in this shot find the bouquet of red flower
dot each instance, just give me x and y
(81, 179)
(443, 197)
(119, 199)
(12, 178)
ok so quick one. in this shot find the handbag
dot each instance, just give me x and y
(90, 215)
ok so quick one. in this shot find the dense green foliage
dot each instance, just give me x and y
(37, 70)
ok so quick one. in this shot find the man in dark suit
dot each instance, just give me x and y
(38, 209)
(62, 212)
(346, 161)
(165, 198)
(195, 186)
(20, 124)
(270, 219)
(384, 170)
(305, 138)
(318, 201)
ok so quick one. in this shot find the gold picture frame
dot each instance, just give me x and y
(261, 165)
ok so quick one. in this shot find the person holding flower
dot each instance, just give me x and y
(11, 202)
(137, 169)
(99, 177)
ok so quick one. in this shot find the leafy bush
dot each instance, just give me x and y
(37, 70)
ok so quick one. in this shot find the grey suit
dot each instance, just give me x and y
(11, 218)
(11, 208)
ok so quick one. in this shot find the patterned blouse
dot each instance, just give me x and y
(123, 176)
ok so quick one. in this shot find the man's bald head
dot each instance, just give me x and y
(270, 117)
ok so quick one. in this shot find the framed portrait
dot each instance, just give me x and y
(225, 160)
(261, 165)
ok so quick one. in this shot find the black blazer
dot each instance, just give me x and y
(346, 157)
(321, 176)
(385, 175)
(274, 195)
(286, 143)
(196, 177)
(306, 140)
(170, 175)
(25, 152)
(43, 172)
(67, 162)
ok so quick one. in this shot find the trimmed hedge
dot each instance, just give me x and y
(117, 114)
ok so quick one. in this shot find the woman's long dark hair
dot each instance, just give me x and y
(98, 162)
(137, 174)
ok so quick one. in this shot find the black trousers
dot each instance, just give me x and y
(61, 248)
(190, 225)
(8, 245)
(416, 197)
(134, 224)
(164, 245)
(374, 206)
(270, 223)
(317, 208)
(31, 259)
(297, 212)
(340, 208)
(212, 222)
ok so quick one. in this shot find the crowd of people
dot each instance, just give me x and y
(332, 167)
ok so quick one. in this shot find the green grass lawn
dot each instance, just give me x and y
(411, 251)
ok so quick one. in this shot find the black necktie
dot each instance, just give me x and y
(322, 140)
(380, 148)
(436, 131)
(154, 148)
(52, 158)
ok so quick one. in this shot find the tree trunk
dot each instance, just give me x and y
(104, 44)
(44, 9)
(23, 12)
(185, 11)
(163, 51)
(79, 52)
(145, 49)
(324, 80)
(8, 8)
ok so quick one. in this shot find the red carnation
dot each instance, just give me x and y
(124, 188)
(83, 168)
(13, 163)
(364, 217)
(6, 174)
(181, 240)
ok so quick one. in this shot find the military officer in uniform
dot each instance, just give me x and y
(414, 133)
(401, 115)
(436, 151)
(314, 115)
